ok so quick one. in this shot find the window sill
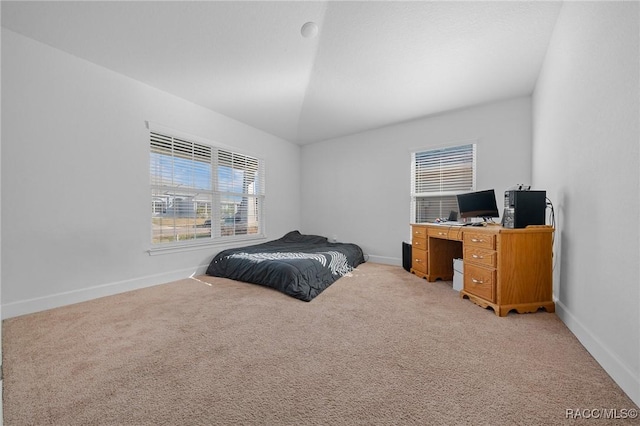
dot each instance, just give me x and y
(171, 248)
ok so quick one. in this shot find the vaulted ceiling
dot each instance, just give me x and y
(371, 64)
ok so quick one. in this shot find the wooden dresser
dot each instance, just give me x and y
(505, 269)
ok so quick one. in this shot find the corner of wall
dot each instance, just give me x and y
(612, 364)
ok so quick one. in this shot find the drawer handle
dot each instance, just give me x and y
(418, 260)
(475, 240)
(442, 233)
(473, 280)
(475, 256)
(417, 243)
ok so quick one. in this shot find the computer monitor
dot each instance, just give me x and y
(478, 204)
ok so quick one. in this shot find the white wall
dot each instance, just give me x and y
(357, 187)
(585, 154)
(75, 179)
(1, 379)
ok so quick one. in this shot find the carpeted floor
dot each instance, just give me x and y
(380, 347)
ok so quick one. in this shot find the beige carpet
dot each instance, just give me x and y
(380, 347)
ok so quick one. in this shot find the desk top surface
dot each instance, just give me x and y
(492, 228)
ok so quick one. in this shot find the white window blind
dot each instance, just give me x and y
(240, 185)
(437, 176)
(201, 192)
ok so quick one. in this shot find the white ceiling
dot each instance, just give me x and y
(372, 63)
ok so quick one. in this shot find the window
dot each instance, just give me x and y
(202, 193)
(437, 176)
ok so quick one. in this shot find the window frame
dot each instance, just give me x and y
(445, 194)
(215, 238)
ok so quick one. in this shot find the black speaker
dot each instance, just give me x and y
(524, 208)
(406, 256)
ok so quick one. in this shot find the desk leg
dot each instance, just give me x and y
(503, 310)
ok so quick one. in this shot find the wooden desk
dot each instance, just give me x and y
(505, 269)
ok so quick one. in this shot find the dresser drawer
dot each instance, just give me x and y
(480, 256)
(419, 260)
(480, 281)
(480, 239)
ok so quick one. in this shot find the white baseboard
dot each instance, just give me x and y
(23, 307)
(383, 259)
(619, 372)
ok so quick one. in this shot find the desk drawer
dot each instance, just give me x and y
(480, 281)
(419, 243)
(480, 239)
(480, 256)
(447, 233)
(439, 232)
(419, 260)
(418, 232)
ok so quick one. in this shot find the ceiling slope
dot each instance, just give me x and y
(371, 64)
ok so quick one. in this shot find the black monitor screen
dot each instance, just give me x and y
(478, 204)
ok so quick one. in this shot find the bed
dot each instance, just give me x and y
(299, 265)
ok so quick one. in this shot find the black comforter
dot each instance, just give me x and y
(299, 265)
